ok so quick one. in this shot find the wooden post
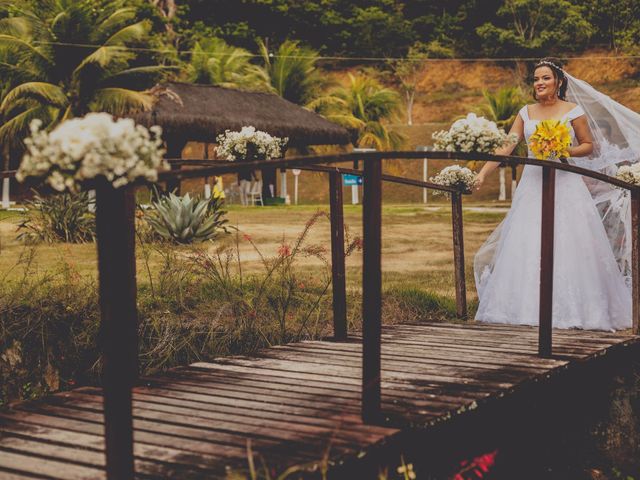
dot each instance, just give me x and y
(174, 151)
(337, 257)
(458, 255)
(514, 178)
(371, 290)
(546, 262)
(635, 258)
(115, 211)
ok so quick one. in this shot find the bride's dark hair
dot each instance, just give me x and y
(556, 68)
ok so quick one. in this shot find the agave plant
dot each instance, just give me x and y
(183, 219)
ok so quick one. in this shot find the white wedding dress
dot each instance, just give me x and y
(589, 290)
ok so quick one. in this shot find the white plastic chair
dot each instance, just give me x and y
(255, 193)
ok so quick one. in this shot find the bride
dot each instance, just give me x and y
(589, 288)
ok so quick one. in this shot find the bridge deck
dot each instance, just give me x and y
(293, 401)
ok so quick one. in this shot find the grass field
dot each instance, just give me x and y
(417, 243)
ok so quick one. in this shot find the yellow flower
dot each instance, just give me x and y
(551, 139)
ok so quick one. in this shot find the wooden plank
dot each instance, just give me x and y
(263, 427)
(527, 333)
(150, 438)
(85, 441)
(410, 357)
(448, 355)
(397, 392)
(244, 421)
(177, 428)
(44, 467)
(294, 400)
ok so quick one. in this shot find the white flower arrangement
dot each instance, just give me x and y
(455, 176)
(629, 173)
(96, 145)
(472, 134)
(249, 144)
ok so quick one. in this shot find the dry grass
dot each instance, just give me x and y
(416, 243)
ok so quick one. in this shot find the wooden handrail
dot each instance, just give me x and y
(116, 263)
(216, 167)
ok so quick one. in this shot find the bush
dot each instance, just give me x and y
(196, 306)
(62, 217)
(185, 219)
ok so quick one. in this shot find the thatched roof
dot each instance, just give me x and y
(200, 112)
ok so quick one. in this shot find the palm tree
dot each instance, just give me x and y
(362, 106)
(214, 62)
(502, 107)
(292, 71)
(64, 58)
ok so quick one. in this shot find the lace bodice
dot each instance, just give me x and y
(530, 125)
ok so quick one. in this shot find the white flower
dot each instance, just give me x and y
(249, 142)
(472, 134)
(629, 173)
(96, 145)
(455, 176)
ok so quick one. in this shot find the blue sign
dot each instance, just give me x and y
(350, 180)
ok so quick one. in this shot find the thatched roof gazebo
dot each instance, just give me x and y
(188, 112)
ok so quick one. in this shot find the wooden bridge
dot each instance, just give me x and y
(339, 404)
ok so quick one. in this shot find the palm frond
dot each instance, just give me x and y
(130, 33)
(19, 27)
(120, 101)
(137, 75)
(20, 47)
(102, 57)
(43, 92)
(15, 129)
(114, 21)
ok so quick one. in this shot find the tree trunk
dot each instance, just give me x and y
(411, 96)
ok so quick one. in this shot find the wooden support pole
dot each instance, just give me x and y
(635, 258)
(546, 262)
(458, 255)
(174, 145)
(115, 211)
(337, 257)
(372, 291)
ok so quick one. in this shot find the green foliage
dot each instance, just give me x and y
(198, 305)
(214, 62)
(58, 218)
(536, 27)
(292, 71)
(616, 23)
(185, 219)
(362, 107)
(503, 106)
(64, 58)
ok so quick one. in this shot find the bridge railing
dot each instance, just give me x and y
(115, 210)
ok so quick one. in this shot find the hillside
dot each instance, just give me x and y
(450, 89)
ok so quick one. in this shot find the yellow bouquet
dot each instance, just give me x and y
(551, 139)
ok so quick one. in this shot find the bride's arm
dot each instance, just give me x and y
(583, 136)
(488, 167)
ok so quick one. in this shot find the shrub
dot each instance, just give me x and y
(186, 219)
(58, 218)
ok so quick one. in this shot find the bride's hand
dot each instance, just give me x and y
(479, 182)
